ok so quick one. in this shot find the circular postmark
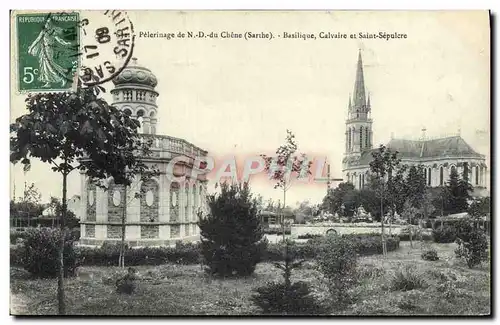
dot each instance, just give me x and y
(107, 44)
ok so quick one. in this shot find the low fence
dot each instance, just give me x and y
(342, 228)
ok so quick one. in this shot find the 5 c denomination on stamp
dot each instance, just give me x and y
(48, 44)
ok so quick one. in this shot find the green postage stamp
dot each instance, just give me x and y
(47, 51)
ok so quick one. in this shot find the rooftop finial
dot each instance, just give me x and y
(134, 61)
(423, 133)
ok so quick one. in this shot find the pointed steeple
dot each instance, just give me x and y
(350, 105)
(359, 85)
(368, 105)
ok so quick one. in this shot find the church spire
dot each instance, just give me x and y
(359, 85)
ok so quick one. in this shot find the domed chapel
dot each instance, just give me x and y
(167, 210)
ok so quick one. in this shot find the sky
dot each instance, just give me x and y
(237, 97)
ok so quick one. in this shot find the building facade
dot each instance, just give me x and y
(167, 210)
(438, 156)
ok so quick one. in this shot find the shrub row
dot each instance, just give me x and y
(308, 236)
(406, 237)
(189, 253)
(108, 255)
(15, 235)
(364, 244)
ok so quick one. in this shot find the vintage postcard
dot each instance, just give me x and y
(250, 163)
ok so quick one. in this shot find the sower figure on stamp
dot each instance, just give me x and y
(43, 49)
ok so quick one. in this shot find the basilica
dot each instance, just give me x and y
(167, 211)
(438, 156)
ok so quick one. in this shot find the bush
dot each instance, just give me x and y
(275, 298)
(15, 235)
(430, 255)
(40, 253)
(309, 236)
(337, 261)
(406, 279)
(444, 234)
(406, 237)
(475, 250)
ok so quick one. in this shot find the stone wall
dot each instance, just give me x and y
(149, 231)
(114, 231)
(149, 201)
(116, 202)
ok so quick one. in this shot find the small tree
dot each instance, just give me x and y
(286, 163)
(410, 214)
(231, 235)
(285, 297)
(383, 166)
(75, 131)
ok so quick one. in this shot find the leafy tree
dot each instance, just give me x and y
(75, 131)
(27, 206)
(334, 199)
(383, 166)
(369, 199)
(231, 235)
(480, 207)
(71, 221)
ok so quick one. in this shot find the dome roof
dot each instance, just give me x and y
(134, 74)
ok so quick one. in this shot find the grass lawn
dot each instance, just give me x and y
(450, 289)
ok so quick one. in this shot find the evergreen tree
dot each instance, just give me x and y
(415, 186)
(457, 193)
(231, 235)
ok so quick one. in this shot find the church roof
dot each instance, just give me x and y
(414, 149)
(434, 148)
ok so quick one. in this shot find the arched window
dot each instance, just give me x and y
(186, 204)
(367, 139)
(353, 139)
(441, 176)
(477, 175)
(361, 137)
(359, 183)
(195, 202)
(453, 169)
(140, 118)
(349, 139)
(429, 178)
(174, 202)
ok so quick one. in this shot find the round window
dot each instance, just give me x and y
(149, 198)
(117, 198)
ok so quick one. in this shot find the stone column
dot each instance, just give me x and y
(83, 197)
(164, 197)
(182, 203)
(133, 210)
